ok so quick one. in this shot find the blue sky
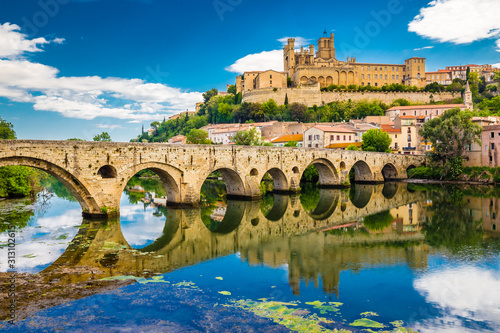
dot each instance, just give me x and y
(75, 68)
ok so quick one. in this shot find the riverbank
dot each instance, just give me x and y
(463, 175)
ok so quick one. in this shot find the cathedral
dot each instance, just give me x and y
(307, 67)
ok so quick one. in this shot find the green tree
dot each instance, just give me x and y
(298, 112)
(376, 140)
(248, 138)
(6, 130)
(198, 136)
(291, 144)
(104, 136)
(451, 134)
(74, 139)
(232, 89)
(352, 147)
(155, 125)
(497, 77)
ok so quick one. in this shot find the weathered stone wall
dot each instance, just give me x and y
(313, 96)
(184, 168)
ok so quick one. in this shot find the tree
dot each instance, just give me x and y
(248, 138)
(298, 112)
(198, 137)
(232, 89)
(104, 136)
(451, 134)
(352, 147)
(155, 125)
(497, 77)
(286, 99)
(376, 140)
(291, 144)
(74, 139)
(6, 130)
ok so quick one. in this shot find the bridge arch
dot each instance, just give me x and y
(389, 172)
(280, 181)
(328, 202)
(234, 182)
(169, 175)
(360, 195)
(328, 175)
(362, 172)
(73, 184)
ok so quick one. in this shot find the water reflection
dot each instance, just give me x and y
(349, 244)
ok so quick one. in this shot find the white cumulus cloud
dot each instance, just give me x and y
(13, 43)
(462, 294)
(458, 21)
(80, 97)
(258, 62)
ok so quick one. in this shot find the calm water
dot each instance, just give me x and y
(391, 257)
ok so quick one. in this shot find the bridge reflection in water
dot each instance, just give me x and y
(312, 241)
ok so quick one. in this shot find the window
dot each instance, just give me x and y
(409, 145)
(368, 76)
(375, 68)
(386, 77)
(492, 135)
(397, 77)
(310, 137)
(362, 76)
(368, 67)
(362, 83)
(492, 146)
(486, 148)
(491, 158)
(409, 138)
(316, 145)
(316, 137)
(331, 137)
(393, 77)
(309, 145)
(376, 84)
(349, 138)
(344, 137)
(396, 145)
(362, 68)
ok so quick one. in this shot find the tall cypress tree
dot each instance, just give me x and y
(286, 99)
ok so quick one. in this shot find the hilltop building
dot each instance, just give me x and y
(446, 76)
(305, 67)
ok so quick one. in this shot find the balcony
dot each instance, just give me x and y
(409, 148)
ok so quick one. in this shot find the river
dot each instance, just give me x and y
(392, 257)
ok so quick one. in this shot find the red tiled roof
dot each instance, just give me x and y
(290, 137)
(344, 144)
(390, 129)
(407, 117)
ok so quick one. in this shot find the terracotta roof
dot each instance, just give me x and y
(290, 137)
(407, 117)
(437, 106)
(344, 144)
(390, 129)
(334, 129)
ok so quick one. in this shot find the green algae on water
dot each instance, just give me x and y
(365, 322)
(227, 293)
(369, 314)
(323, 309)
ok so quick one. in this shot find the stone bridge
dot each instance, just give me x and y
(96, 173)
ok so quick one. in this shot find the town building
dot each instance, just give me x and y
(490, 140)
(446, 76)
(283, 140)
(323, 136)
(277, 129)
(396, 137)
(182, 114)
(426, 111)
(307, 67)
(178, 139)
(225, 135)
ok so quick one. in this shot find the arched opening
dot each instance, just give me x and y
(360, 172)
(322, 172)
(254, 172)
(274, 180)
(107, 171)
(409, 168)
(295, 170)
(389, 172)
(228, 181)
(61, 183)
(146, 222)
